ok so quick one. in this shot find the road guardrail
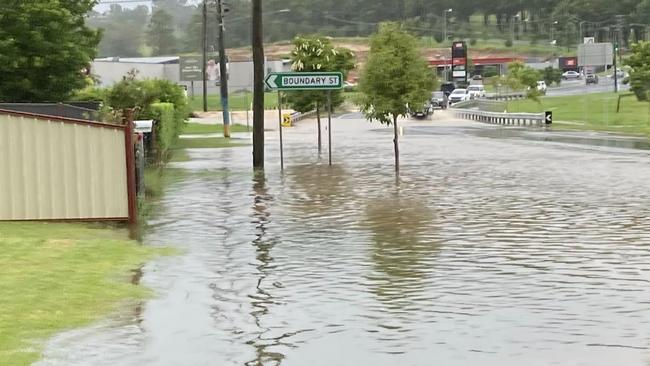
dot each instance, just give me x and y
(500, 118)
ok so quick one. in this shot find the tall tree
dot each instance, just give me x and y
(44, 45)
(395, 77)
(160, 34)
(122, 30)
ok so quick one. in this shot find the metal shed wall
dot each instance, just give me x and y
(57, 169)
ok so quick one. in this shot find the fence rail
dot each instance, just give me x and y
(507, 96)
(512, 119)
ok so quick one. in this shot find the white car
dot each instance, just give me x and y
(458, 95)
(571, 75)
(476, 91)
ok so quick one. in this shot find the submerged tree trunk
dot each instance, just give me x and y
(318, 121)
(396, 143)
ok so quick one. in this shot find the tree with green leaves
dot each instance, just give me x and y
(395, 77)
(552, 75)
(639, 61)
(44, 46)
(318, 54)
(160, 34)
(122, 30)
(522, 77)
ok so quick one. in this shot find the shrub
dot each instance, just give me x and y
(472, 42)
(91, 94)
(508, 43)
(167, 128)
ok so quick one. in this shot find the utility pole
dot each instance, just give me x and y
(258, 86)
(204, 39)
(223, 70)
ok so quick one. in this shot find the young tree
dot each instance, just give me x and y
(552, 75)
(311, 54)
(639, 61)
(395, 77)
(522, 77)
(44, 45)
(160, 35)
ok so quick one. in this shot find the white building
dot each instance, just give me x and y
(111, 70)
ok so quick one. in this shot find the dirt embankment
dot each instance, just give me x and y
(360, 47)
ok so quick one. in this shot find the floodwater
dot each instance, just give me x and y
(488, 250)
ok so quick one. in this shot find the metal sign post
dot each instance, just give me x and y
(305, 81)
(329, 124)
(280, 126)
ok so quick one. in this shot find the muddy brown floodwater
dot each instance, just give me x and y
(493, 248)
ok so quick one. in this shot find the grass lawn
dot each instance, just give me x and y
(207, 143)
(592, 112)
(198, 128)
(236, 101)
(56, 276)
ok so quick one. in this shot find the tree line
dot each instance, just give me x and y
(174, 26)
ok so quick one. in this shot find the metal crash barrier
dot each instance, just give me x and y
(500, 118)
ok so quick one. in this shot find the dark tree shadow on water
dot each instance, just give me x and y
(403, 246)
(319, 187)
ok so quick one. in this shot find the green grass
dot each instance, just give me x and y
(56, 276)
(198, 128)
(206, 143)
(592, 112)
(236, 101)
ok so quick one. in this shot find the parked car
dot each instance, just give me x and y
(424, 112)
(439, 100)
(458, 95)
(541, 86)
(476, 91)
(571, 75)
(591, 79)
(477, 77)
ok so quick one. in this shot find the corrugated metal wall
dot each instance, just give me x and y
(51, 169)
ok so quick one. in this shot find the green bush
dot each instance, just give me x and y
(91, 94)
(509, 43)
(167, 128)
(472, 42)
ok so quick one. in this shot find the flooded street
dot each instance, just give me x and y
(492, 248)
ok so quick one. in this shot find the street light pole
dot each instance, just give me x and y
(444, 34)
(223, 71)
(444, 24)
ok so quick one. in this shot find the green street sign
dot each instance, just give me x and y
(304, 80)
(191, 68)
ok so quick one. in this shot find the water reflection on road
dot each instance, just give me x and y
(487, 251)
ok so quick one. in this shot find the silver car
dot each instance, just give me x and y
(458, 95)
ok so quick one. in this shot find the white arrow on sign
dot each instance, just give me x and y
(270, 81)
(549, 118)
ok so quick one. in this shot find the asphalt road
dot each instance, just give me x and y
(575, 87)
